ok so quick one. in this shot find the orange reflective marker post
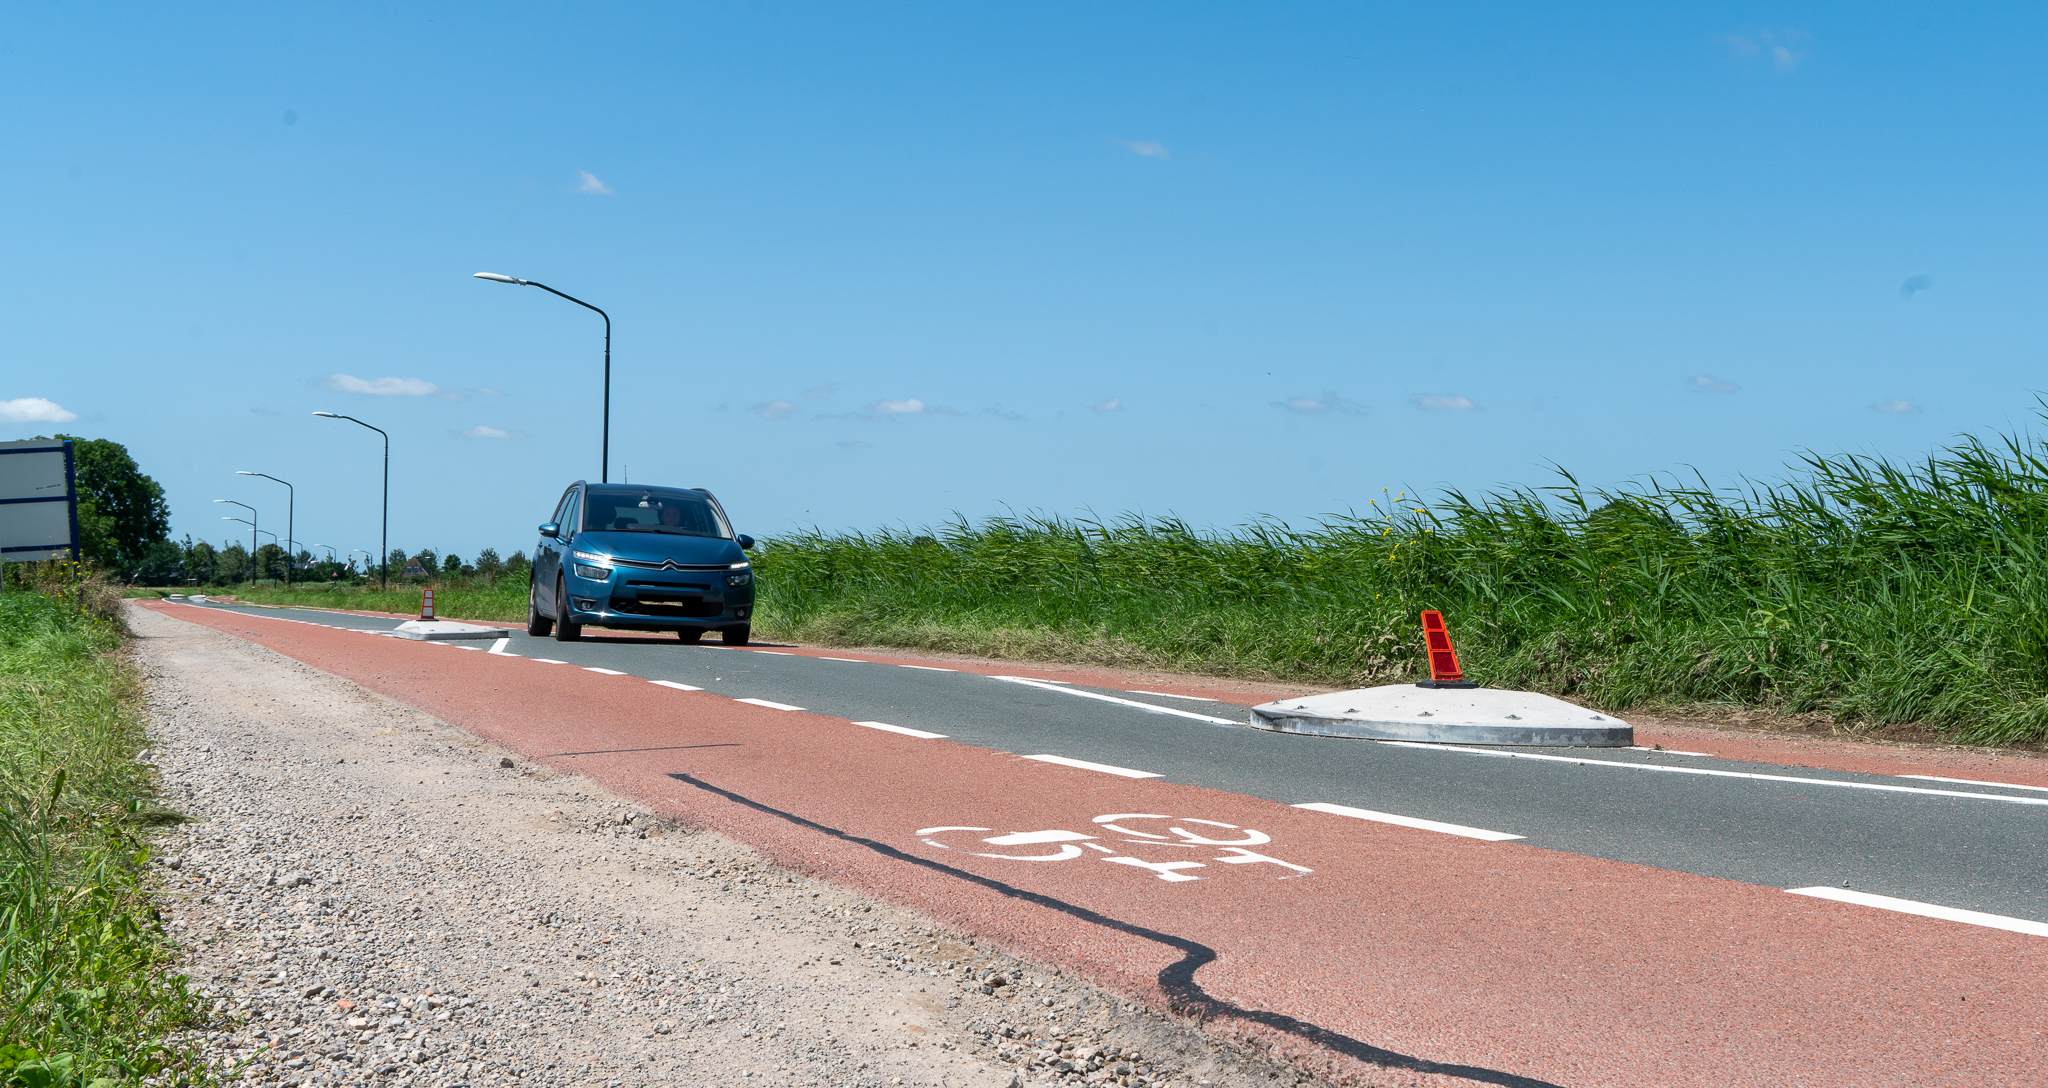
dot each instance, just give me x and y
(1443, 660)
(427, 610)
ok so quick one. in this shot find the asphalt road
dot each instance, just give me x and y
(1971, 847)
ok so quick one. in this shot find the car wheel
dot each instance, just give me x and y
(691, 635)
(537, 625)
(736, 636)
(566, 630)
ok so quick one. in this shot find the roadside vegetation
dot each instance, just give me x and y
(87, 989)
(1872, 592)
(1863, 592)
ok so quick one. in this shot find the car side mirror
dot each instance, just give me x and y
(551, 530)
(744, 541)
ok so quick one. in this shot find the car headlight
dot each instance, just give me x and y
(591, 557)
(595, 574)
(739, 578)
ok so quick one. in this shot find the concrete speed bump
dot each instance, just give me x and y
(1445, 716)
(439, 630)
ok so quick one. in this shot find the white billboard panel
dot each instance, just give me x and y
(38, 501)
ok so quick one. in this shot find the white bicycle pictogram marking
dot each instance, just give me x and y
(1072, 844)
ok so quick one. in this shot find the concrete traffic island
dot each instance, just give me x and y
(1445, 715)
(439, 630)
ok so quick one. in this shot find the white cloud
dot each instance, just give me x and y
(818, 392)
(1896, 406)
(382, 387)
(1707, 383)
(486, 391)
(1308, 406)
(34, 410)
(900, 407)
(481, 431)
(1781, 46)
(774, 409)
(587, 182)
(1439, 403)
(1151, 149)
(1113, 404)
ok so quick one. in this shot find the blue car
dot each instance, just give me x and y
(637, 558)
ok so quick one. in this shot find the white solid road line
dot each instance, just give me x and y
(1045, 685)
(1973, 782)
(1926, 910)
(498, 647)
(1170, 695)
(769, 705)
(927, 668)
(918, 733)
(673, 684)
(776, 653)
(1410, 821)
(605, 672)
(854, 660)
(1087, 766)
(1706, 772)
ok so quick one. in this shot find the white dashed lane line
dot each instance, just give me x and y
(602, 672)
(1973, 782)
(673, 684)
(1926, 910)
(769, 705)
(926, 668)
(1105, 768)
(547, 661)
(1046, 685)
(850, 660)
(1710, 773)
(1409, 821)
(886, 727)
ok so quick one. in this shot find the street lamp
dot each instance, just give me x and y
(254, 517)
(384, 533)
(605, 449)
(330, 551)
(291, 544)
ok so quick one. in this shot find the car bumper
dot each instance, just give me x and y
(612, 604)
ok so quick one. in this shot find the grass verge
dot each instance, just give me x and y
(87, 989)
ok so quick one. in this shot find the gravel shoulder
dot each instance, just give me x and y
(372, 896)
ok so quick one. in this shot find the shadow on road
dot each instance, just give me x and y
(1177, 980)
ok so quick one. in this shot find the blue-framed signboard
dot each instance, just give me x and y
(38, 501)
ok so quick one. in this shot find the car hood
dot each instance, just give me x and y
(683, 551)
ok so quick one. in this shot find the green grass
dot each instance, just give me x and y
(465, 599)
(86, 986)
(1871, 592)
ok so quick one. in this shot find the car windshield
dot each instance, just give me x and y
(652, 510)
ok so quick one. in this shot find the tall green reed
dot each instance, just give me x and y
(1875, 591)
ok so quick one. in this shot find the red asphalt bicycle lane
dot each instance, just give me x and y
(1404, 957)
(1782, 750)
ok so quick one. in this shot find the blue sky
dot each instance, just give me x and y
(872, 264)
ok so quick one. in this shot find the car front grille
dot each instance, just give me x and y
(669, 564)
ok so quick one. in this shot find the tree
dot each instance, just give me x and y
(451, 564)
(270, 562)
(201, 562)
(515, 567)
(488, 564)
(121, 512)
(394, 563)
(233, 565)
(428, 560)
(162, 564)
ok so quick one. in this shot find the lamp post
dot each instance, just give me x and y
(604, 461)
(291, 544)
(251, 523)
(384, 533)
(330, 551)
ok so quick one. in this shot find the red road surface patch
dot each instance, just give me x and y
(1405, 957)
